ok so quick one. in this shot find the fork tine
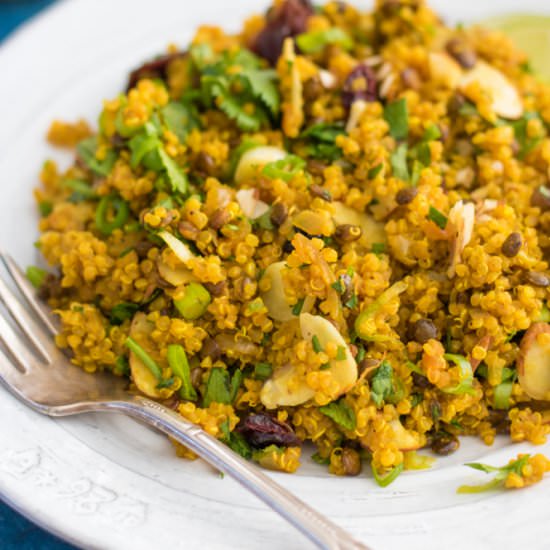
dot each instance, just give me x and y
(29, 292)
(10, 376)
(16, 346)
(38, 335)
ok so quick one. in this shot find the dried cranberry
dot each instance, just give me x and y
(353, 90)
(288, 19)
(262, 430)
(152, 69)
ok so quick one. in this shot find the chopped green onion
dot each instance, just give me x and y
(177, 359)
(36, 275)
(431, 133)
(338, 286)
(194, 302)
(396, 115)
(121, 368)
(103, 220)
(437, 217)
(352, 302)
(316, 344)
(82, 189)
(341, 353)
(284, 169)
(45, 208)
(297, 309)
(262, 371)
(416, 172)
(374, 171)
(315, 41)
(378, 248)
(465, 384)
(317, 458)
(144, 357)
(390, 477)
(121, 312)
(389, 294)
(502, 395)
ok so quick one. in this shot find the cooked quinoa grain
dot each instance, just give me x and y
(330, 228)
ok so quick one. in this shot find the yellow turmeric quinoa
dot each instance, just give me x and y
(332, 227)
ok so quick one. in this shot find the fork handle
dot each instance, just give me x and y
(319, 529)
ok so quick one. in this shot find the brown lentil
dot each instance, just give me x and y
(318, 191)
(512, 245)
(351, 462)
(462, 52)
(445, 444)
(541, 198)
(347, 233)
(424, 330)
(279, 214)
(219, 218)
(406, 195)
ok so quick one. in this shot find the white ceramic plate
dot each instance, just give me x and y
(106, 482)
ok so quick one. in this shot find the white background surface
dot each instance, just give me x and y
(104, 481)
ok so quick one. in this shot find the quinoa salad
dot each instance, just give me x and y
(330, 228)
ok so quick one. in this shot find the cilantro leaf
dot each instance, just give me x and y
(121, 312)
(315, 41)
(381, 383)
(180, 118)
(526, 143)
(176, 176)
(322, 140)
(249, 95)
(217, 387)
(396, 115)
(502, 472)
(261, 82)
(341, 413)
(87, 149)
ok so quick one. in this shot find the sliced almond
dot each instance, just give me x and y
(143, 378)
(462, 218)
(275, 299)
(250, 203)
(403, 438)
(344, 371)
(179, 248)
(255, 159)
(533, 363)
(282, 390)
(372, 231)
(506, 101)
(357, 109)
(328, 80)
(176, 276)
(444, 69)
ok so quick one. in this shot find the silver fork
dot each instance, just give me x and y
(41, 377)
